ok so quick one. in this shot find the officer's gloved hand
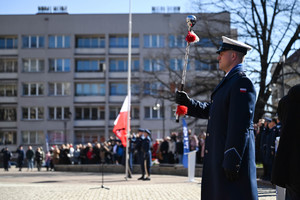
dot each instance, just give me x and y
(182, 98)
(231, 175)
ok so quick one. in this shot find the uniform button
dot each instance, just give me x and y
(209, 118)
(207, 134)
(206, 151)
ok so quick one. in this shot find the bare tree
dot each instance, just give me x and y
(271, 27)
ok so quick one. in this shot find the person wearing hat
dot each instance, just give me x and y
(229, 169)
(138, 147)
(146, 148)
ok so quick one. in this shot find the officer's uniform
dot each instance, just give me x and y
(146, 147)
(229, 144)
(138, 147)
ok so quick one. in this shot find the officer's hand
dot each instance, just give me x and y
(182, 98)
(231, 175)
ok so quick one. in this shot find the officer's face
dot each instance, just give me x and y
(225, 60)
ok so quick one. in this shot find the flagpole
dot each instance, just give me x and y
(128, 88)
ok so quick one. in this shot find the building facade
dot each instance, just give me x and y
(63, 78)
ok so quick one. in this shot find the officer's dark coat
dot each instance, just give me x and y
(230, 138)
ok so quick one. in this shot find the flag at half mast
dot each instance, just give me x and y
(120, 128)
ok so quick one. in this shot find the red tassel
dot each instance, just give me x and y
(191, 37)
(181, 110)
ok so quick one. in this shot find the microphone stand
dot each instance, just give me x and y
(102, 185)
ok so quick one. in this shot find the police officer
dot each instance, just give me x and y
(229, 170)
(138, 147)
(146, 147)
(6, 158)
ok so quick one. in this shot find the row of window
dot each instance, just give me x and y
(88, 65)
(81, 89)
(81, 113)
(38, 137)
(64, 41)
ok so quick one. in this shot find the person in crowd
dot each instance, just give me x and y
(193, 140)
(202, 137)
(48, 161)
(76, 157)
(39, 158)
(164, 149)
(90, 155)
(179, 149)
(146, 149)
(56, 153)
(229, 169)
(286, 166)
(7, 155)
(172, 148)
(30, 158)
(21, 156)
(155, 149)
(96, 150)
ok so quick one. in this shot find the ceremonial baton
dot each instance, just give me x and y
(191, 38)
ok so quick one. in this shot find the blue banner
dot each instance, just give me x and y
(186, 148)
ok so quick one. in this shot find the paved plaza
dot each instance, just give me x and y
(88, 185)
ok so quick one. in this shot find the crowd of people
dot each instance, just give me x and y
(168, 150)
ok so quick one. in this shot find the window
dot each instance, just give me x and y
(90, 42)
(32, 113)
(8, 90)
(90, 89)
(90, 113)
(177, 64)
(151, 65)
(122, 42)
(33, 65)
(83, 137)
(59, 113)
(8, 137)
(8, 42)
(151, 113)
(90, 65)
(33, 137)
(114, 112)
(118, 65)
(8, 66)
(33, 89)
(59, 65)
(59, 89)
(135, 112)
(207, 42)
(154, 41)
(8, 114)
(56, 137)
(152, 88)
(205, 65)
(59, 41)
(33, 41)
(177, 41)
(120, 89)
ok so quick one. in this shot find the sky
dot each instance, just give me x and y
(91, 6)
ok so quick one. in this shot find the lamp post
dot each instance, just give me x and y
(69, 114)
(161, 106)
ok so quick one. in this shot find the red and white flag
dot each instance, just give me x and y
(120, 123)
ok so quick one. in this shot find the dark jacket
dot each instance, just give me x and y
(230, 138)
(286, 167)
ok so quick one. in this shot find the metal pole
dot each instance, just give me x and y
(128, 89)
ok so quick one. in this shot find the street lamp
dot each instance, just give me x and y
(69, 114)
(161, 106)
